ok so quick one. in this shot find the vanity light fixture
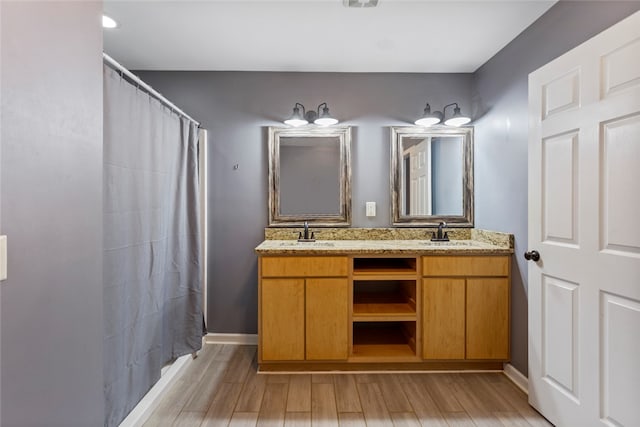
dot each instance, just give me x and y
(302, 118)
(432, 118)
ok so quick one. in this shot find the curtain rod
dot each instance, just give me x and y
(146, 87)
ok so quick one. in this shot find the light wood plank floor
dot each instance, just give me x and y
(221, 388)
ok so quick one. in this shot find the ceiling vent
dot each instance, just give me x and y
(360, 3)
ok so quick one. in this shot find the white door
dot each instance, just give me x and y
(420, 178)
(584, 220)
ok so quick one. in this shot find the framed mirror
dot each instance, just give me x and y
(432, 176)
(310, 176)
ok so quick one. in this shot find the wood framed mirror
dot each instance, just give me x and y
(310, 176)
(431, 176)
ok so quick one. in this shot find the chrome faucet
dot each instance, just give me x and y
(440, 237)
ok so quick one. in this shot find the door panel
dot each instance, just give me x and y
(620, 330)
(488, 319)
(282, 317)
(621, 68)
(327, 318)
(560, 335)
(561, 94)
(584, 205)
(620, 175)
(304, 266)
(443, 319)
(560, 188)
(465, 265)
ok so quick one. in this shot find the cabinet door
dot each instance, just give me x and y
(488, 318)
(282, 317)
(327, 303)
(443, 319)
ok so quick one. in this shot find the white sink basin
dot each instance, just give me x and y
(296, 244)
(468, 243)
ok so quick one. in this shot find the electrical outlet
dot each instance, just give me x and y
(3, 257)
(371, 209)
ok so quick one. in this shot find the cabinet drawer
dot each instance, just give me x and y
(465, 266)
(302, 266)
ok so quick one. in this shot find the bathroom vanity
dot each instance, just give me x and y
(384, 304)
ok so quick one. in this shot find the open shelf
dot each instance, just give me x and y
(384, 268)
(384, 340)
(384, 301)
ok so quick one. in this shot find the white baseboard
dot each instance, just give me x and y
(241, 339)
(141, 413)
(516, 377)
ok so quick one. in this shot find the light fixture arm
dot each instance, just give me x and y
(299, 104)
(326, 107)
(444, 110)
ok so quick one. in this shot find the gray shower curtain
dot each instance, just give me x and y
(152, 257)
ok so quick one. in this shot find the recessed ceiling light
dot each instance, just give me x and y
(360, 3)
(108, 22)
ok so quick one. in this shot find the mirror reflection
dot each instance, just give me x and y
(432, 176)
(309, 176)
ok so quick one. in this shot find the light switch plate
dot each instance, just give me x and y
(3, 257)
(371, 208)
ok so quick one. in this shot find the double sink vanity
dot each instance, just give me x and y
(384, 299)
(379, 298)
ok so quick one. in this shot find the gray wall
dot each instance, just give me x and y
(51, 211)
(500, 112)
(237, 106)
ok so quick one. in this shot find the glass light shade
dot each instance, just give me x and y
(427, 121)
(108, 22)
(296, 118)
(457, 119)
(295, 122)
(325, 118)
(428, 118)
(326, 121)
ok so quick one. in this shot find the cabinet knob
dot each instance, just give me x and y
(532, 256)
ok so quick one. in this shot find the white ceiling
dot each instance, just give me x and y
(422, 36)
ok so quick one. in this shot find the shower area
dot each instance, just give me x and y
(153, 238)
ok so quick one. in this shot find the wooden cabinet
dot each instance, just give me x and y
(465, 307)
(419, 312)
(303, 308)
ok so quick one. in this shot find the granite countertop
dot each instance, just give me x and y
(382, 247)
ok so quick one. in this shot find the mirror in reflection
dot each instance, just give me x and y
(432, 176)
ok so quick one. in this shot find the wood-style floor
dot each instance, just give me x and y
(221, 387)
